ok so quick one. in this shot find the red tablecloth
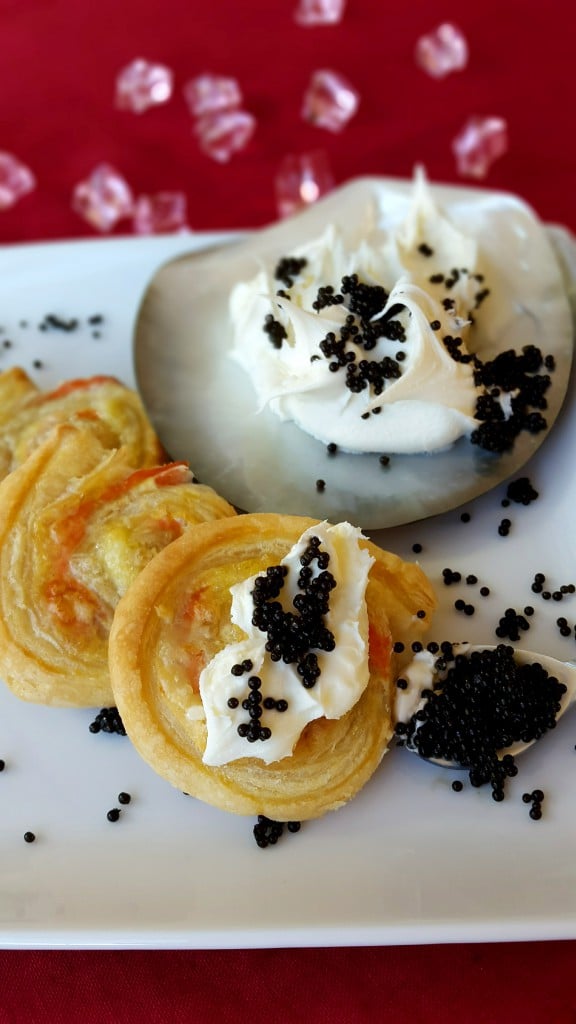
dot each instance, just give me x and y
(59, 62)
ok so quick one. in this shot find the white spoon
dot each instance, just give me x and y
(421, 675)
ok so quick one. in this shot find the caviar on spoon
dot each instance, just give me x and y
(477, 707)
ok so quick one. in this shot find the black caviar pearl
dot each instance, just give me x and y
(332, 448)
(320, 485)
(527, 798)
(242, 730)
(113, 814)
(471, 579)
(465, 517)
(281, 705)
(233, 702)
(2, 764)
(402, 684)
(449, 577)
(457, 786)
(416, 548)
(293, 826)
(398, 647)
(484, 591)
(535, 813)
(124, 798)
(108, 720)
(537, 795)
(29, 837)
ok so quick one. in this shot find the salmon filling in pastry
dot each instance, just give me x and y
(253, 663)
(77, 524)
(27, 415)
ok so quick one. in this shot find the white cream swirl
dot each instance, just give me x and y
(343, 671)
(429, 399)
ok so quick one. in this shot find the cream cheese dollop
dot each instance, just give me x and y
(419, 391)
(344, 670)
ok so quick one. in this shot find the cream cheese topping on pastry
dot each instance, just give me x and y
(342, 670)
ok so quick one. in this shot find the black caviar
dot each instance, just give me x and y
(511, 624)
(54, 322)
(522, 376)
(288, 268)
(517, 374)
(108, 720)
(267, 832)
(275, 330)
(482, 703)
(293, 636)
(521, 491)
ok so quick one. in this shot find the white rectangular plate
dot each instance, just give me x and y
(409, 860)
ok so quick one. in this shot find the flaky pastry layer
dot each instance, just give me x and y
(28, 414)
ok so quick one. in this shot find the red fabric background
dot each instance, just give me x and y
(59, 60)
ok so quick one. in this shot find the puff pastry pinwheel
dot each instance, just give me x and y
(77, 523)
(27, 414)
(16, 388)
(204, 701)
